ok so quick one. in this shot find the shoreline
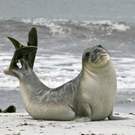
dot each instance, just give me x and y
(23, 124)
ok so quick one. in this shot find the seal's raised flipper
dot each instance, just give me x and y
(32, 41)
(16, 43)
(21, 56)
(32, 37)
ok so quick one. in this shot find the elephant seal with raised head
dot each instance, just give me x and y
(91, 94)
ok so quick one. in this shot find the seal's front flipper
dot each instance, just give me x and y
(112, 117)
(16, 43)
(32, 41)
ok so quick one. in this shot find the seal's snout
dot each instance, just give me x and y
(96, 53)
(99, 49)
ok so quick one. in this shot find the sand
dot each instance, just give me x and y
(23, 124)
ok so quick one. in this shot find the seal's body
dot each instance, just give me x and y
(97, 91)
(91, 94)
(44, 103)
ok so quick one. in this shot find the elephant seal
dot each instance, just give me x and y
(91, 94)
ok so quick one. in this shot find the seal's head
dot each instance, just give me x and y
(95, 57)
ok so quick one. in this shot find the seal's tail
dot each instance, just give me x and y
(23, 55)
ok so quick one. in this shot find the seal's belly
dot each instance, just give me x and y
(101, 105)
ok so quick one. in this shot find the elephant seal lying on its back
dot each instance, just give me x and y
(91, 94)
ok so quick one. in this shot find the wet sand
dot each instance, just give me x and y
(23, 124)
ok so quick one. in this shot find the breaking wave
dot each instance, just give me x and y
(61, 26)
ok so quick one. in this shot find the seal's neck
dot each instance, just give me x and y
(103, 71)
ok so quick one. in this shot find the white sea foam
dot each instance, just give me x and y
(51, 24)
(58, 69)
(60, 26)
(113, 25)
(125, 73)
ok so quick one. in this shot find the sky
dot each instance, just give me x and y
(67, 8)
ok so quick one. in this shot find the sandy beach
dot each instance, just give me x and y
(23, 124)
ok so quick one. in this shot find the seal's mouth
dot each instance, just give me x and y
(99, 57)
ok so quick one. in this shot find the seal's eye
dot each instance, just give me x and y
(87, 54)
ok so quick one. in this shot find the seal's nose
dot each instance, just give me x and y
(97, 50)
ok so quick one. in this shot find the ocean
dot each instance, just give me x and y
(64, 31)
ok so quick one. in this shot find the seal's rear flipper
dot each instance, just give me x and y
(16, 43)
(21, 56)
(32, 37)
(32, 41)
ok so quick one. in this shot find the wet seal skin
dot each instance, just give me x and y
(90, 95)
